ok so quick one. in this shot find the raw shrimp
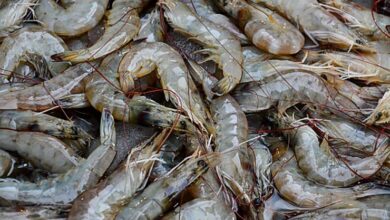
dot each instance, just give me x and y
(320, 165)
(318, 24)
(201, 209)
(159, 196)
(79, 100)
(293, 186)
(30, 39)
(40, 122)
(40, 149)
(204, 9)
(43, 96)
(362, 19)
(151, 29)
(289, 89)
(266, 29)
(381, 114)
(12, 13)
(121, 27)
(222, 46)
(175, 79)
(106, 199)
(75, 19)
(64, 188)
(6, 163)
(138, 109)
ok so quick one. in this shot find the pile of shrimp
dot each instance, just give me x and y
(194, 109)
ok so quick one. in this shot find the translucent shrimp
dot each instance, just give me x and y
(266, 29)
(158, 196)
(219, 43)
(121, 27)
(381, 114)
(144, 58)
(138, 109)
(44, 95)
(320, 165)
(64, 188)
(293, 186)
(33, 121)
(40, 149)
(30, 39)
(106, 199)
(12, 13)
(359, 18)
(201, 209)
(318, 24)
(75, 19)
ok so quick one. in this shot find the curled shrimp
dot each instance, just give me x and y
(158, 196)
(75, 19)
(320, 165)
(293, 186)
(64, 188)
(318, 24)
(42, 150)
(381, 113)
(121, 27)
(12, 13)
(144, 58)
(222, 46)
(104, 91)
(266, 29)
(44, 95)
(106, 199)
(31, 39)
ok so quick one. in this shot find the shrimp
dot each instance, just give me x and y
(34, 212)
(381, 114)
(359, 18)
(175, 79)
(30, 39)
(44, 95)
(201, 209)
(6, 163)
(106, 199)
(40, 149)
(64, 188)
(12, 13)
(318, 24)
(75, 19)
(219, 43)
(151, 29)
(320, 165)
(159, 196)
(74, 101)
(289, 89)
(266, 29)
(121, 27)
(293, 186)
(138, 109)
(205, 10)
(39, 122)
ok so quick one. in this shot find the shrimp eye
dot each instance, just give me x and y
(256, 202)
(202, 163)
(183, 124)
(358, 41)
(378, 115)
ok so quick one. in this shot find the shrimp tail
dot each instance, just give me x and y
(65, 56)
(225, 85)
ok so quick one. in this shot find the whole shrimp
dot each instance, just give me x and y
(222, 46)
(75, 19)
(106, 199)
(40, 122)
(30, 39)
(201, 209)
(362, 19)
(144, 58)
(40, 149)
(293, 186)
(64, 188)
(318, 24)
(12, 13)
(289, 89)
(137, 109)
(159, 196)
(320, 165)
(381, 113)
(44, 95)
(266, 29)
(121, 27)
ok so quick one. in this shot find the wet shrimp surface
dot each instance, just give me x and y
(194, 109)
